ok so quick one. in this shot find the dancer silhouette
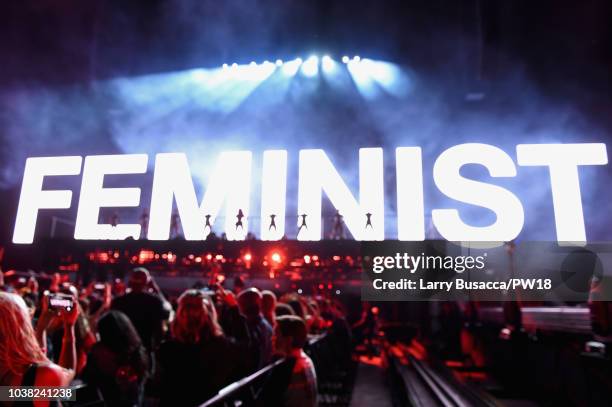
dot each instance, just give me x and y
(338, 230)
(303, 224)
(369, 220)
(272, 222)
(239, 217)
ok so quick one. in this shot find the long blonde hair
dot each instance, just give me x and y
(187, 331)
(18, 345)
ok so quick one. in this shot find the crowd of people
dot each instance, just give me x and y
(135, 346)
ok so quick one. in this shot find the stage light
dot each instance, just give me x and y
(328, 64)
(209, 256)
(234, 65)
(306, 259)
(290, 68)
(356, 58)
(299, 291)
(366, 86)
(345, 59)
(279, 62)
(253, 63)
(276, 257)
(225, 66)
(337, 292)
(311, 66)
(198, 259)
(248, 257)
(219, 257)
(389, 76)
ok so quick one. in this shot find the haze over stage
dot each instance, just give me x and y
(154, 84)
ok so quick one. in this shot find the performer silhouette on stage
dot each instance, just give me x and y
(239, 217)
(144, 223)
(208, 224)
(174, 220)
(114, 220)
(338, 230)
(272, 222)
(369, 220)
(303, 224)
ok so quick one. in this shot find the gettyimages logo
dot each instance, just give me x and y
(440, 270)
(411, 263)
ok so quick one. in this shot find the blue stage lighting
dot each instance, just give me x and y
(328, 64)
(279, 62)
(311, 66)
(345, 59)
(290, 68)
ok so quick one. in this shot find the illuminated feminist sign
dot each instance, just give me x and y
(229, 187)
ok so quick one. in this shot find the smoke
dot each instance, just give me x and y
(204, 111)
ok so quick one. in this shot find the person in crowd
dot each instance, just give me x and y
(145, 306)
(297, 307)
(238, 285)
(23, 361)
(97, 299)
(268, 306)
(338, 329)
(314, 321)
(283, 309)
(233, 323)
(260, 331)
(198, 360)
(289, 340)
(51, 331)
(118, 363)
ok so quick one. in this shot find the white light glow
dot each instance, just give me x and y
(273, 194)
(33, 198)
(310, 67)
(366, 86)
(94, 196)
(506, 206)
(317, 175)
(328, 65)
(410, 206)
(389, 76)
(290, 68)
(345, 59)
(230, 183)
(562, 161)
